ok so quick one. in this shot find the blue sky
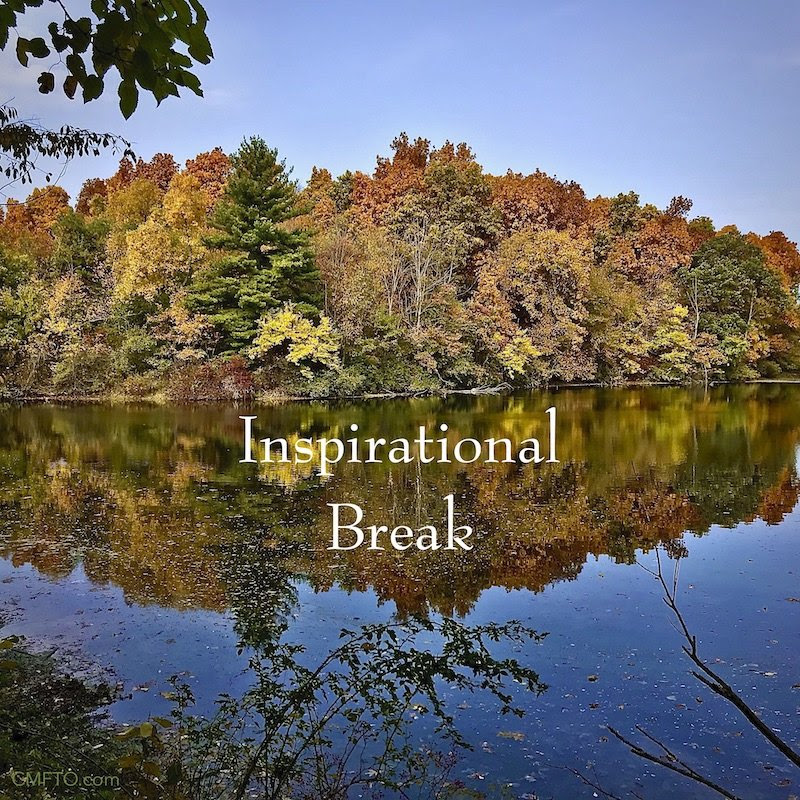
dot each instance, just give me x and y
(696, 98)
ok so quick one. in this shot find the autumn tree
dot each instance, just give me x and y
(211, 169)
(131, 204)
(92, 196)
(781, 256)
(393, 179)
(427, 273)
(159, 170)
(286, 334)
(79, 247)
(161, 254)
(538, 201)
(733, 296)
(19, 232)
(533, 295)
(260, 262)
(46, 205)
(17, 316)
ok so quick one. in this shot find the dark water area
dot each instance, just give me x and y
(134, 541)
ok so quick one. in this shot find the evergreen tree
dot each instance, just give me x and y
(261, 262)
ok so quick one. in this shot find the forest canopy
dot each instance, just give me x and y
(224, 279)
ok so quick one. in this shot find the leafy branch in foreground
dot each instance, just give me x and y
(344, 724)
(52, 723)
(22, 142)
(151, 45)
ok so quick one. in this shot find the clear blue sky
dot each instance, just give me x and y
(696, 98)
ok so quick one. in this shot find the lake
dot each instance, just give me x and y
(134, 542)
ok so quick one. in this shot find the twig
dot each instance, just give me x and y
(670, 762)
(712, 679)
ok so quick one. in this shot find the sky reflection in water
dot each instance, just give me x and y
(127, 532)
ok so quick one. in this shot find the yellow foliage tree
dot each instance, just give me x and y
(160, 255)
(185, 202)
(131, 205)
(157, 258)
(287, 333)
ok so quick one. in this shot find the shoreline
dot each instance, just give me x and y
(276, 398)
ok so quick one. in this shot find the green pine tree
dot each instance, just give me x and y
(260, 262)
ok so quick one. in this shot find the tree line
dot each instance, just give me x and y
(225, 279)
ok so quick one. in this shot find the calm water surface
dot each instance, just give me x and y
(132, 539)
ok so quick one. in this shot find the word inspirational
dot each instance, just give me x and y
(348, 530)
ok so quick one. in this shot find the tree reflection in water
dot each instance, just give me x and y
(154, 500)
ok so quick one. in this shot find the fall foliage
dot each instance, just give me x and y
(428, 274)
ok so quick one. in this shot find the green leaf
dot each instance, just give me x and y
(47, 82)
(199, 46)
(144, 70)
(60, 42)
(199, 10)
(8, 19)
(127, 762)
(38, 48)
(22, 51)
(70, 86)
(190, 81)
(128, 98)
(85, 26)
(92, 88)
(75, 65)
(182, 11)
(146, 730)
(80, 31)
(113, 25)
(174, 773)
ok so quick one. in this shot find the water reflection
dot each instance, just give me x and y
(155, 501)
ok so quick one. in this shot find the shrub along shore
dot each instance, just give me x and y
(224, 280)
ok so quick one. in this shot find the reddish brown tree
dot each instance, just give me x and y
(538, 201)
(92, 191)
(159, 170)
(211, 170)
